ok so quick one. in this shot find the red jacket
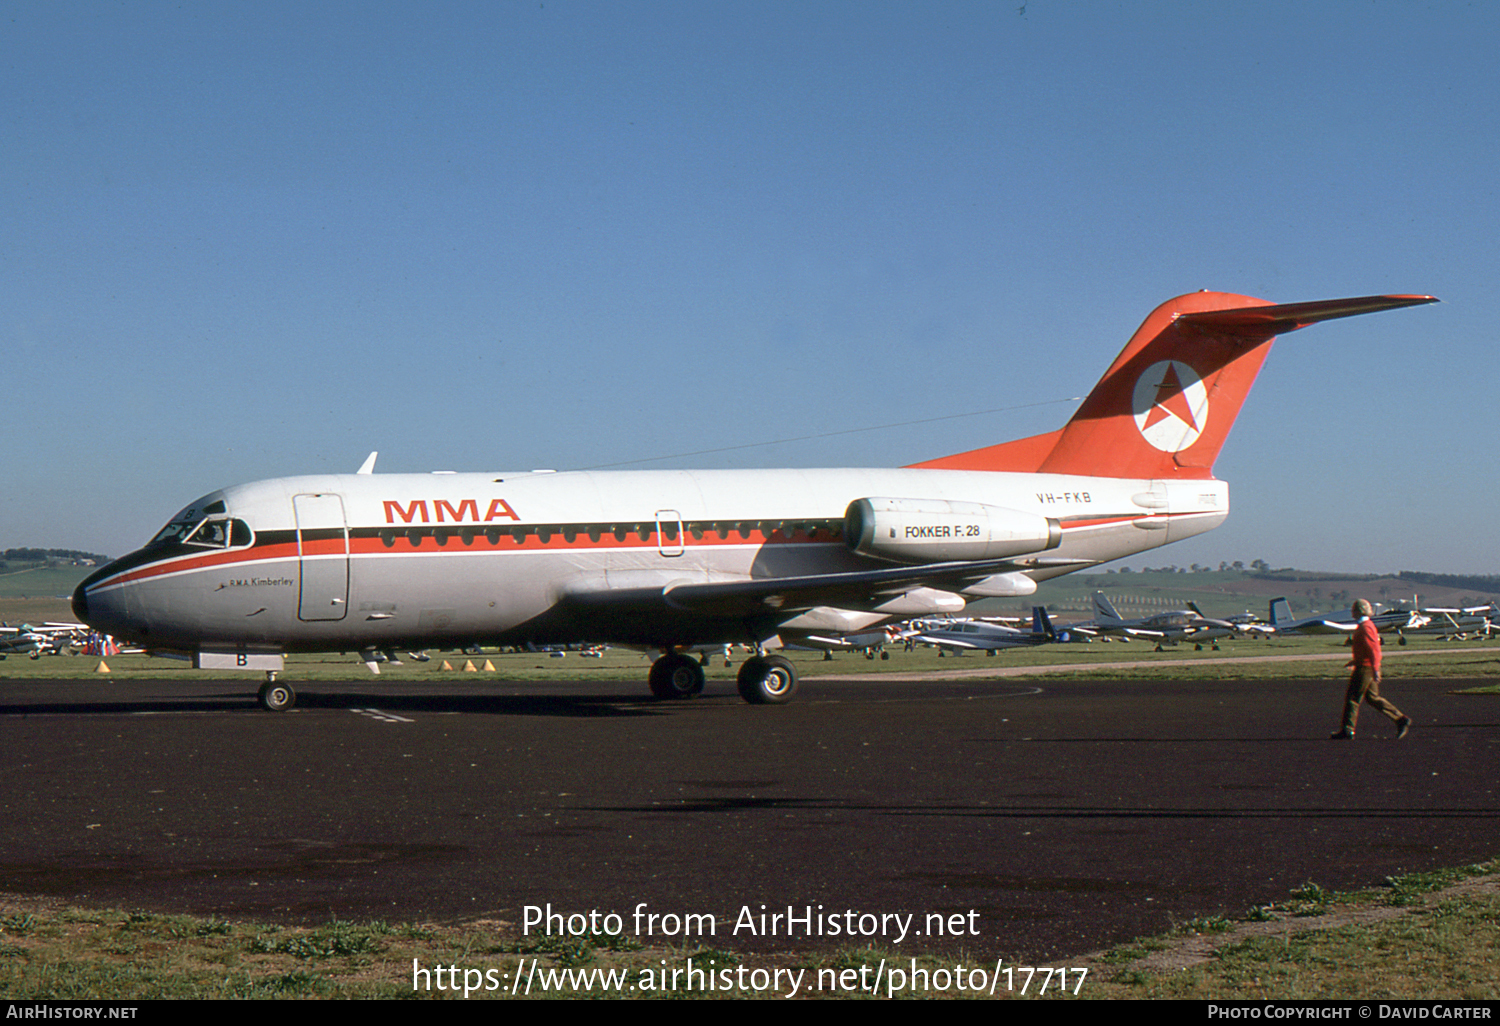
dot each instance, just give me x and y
(1366, 642)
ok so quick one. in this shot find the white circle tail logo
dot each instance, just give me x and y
(1170, 405)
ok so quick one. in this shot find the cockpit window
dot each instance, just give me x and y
(174, 533)
(219, 533)
(211, 533)
(214, 533)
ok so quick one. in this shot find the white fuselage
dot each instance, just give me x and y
(345, 562)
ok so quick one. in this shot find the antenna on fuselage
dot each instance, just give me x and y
(368, 466)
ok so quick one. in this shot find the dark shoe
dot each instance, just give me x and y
(1402, 726)
(1341, 735)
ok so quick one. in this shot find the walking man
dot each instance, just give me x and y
(1364, 681)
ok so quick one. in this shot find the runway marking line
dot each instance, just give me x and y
(383, 717)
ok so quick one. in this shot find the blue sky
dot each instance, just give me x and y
(252, 240)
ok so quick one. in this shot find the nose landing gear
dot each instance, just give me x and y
(274, 696)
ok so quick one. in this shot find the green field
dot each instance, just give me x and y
(1218, 593)
(1236, 659)
(40, 580)
(38, 593)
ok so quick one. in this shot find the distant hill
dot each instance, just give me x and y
(1489, 583)
(42, 574)
(50, 556)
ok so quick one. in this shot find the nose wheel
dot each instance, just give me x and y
(275, 696)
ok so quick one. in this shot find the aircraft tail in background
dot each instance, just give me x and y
(1104, 609)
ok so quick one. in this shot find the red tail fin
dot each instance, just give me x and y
(1165, 406)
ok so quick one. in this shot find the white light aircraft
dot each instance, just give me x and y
(1282, 621)
(23, 639)
(672, 559)
(35, 641)
(959, 635)
(1165, 628)
(1454, 624)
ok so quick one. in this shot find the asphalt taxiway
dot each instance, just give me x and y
(1065, 815)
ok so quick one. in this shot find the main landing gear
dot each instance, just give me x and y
(274, 696)
(762, 680)
(675, 675)
(767, 680)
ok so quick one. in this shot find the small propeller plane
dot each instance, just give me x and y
(1282, 621)
(35, 641)
(969, 634)
(672, 559)
(1459, 624)
(1165, 628)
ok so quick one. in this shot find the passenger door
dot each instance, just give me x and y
(322, 556)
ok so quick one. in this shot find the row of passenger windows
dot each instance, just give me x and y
(646, 533)
(226, 533)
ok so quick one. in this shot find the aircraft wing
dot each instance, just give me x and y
(1319, 627)
(857, 588)
(838, 642)
(773, 595)
(975, 644)
(1144, 632)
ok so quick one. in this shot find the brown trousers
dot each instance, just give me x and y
(1365, 687)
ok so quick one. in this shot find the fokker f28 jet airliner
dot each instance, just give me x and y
(676, 558)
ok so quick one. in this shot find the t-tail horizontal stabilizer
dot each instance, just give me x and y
(1264, 322)
(1165, 406)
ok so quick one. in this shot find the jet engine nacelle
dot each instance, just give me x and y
(942, 530)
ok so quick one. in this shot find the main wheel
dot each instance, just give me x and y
(676, 676)
(767, 680)
(277, 697)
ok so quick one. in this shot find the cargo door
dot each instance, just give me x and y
(322, 556)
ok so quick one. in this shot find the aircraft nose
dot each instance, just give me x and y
(98, 611)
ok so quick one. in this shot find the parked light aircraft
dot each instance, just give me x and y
(23, 639)
(671, 559)
(36, 641)
(959, 635)
(1165, 628)
(1467, 621)
(872, 643)
(1282, 621)
(1454, 624)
